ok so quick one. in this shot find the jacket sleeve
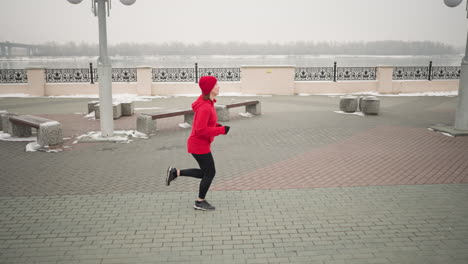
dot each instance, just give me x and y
(201, 124)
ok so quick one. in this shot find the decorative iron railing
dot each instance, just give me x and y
(13, 76)
(222, 74)
(173, 75)
(411, 73)
(446, 72)
(356, 73)
(120, 75)
(67, 75)
(314, 74)
(83, 75)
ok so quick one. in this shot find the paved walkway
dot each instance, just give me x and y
(299, 184)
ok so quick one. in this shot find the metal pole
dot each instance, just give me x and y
(334, 71)
(196, 72)
(104, 71)
(461, 114)
(91, 73)
(430, 71)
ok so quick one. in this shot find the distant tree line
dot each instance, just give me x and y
(243, 48)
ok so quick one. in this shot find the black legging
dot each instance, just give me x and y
(206, 172)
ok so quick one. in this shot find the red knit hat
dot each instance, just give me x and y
(207, 83)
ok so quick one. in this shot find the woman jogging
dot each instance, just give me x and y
(204, 129)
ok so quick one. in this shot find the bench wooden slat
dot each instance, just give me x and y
(33, 121)
(241, 104)
(165, 114)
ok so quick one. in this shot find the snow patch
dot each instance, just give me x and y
(7, 137)
(355, 113)
(119, 137)
(15, 95)
(246, 114)
(185, 125)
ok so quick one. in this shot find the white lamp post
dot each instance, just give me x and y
(104, 66)
(461, 115)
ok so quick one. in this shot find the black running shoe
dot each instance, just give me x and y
(171, 175)
(203, 205)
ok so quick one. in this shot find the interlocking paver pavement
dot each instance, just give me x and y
(299, 184)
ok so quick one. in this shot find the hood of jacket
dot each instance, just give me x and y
(200, 101)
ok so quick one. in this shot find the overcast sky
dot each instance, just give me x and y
(38, 21)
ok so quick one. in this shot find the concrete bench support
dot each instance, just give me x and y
(6, 123)
(116, 109)
(370, 105)
(252, 107)
(348, 104)
(146, 124)
(188, 118)
(20, 130)
(127, 108)
(255, 109)
(50, 134)
(222, 112)
(91, 106)
(1, 122)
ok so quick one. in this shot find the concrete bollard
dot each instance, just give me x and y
(2, 112)
(127, 108)
(188, 118)
(370, 105)
(255, 109)
(50, 134)
(91, 106)
(222, 112)
(6, 123)
(146, 124)
(19, 130)
(116, 111)
(348, 103)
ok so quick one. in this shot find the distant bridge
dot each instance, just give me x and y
(6, 48)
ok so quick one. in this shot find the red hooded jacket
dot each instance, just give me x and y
(204, 127)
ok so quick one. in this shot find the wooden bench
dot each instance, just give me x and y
(146, 122)
(49, 132)
(252, 107)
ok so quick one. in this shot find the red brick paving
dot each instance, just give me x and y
(380, 156)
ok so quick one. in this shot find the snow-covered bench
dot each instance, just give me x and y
(146, 122)
(252, 107)
(49, 132)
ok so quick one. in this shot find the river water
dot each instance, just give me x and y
(232, 61)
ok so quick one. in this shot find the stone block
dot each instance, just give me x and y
(91, 106)
(19, 130)
(188, 118)
(50, 134)
(1, 123)
(6, 123)
(370, 105)
(127, 108)
(116, 111)
(222, 112)
(348, 103)
(146, 125)
(254, 109)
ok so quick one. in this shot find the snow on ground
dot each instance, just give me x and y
(7, 137)
(344, 113)
(120, 136)
(185, 125)
(246, 114)
(15, 95)
(448, 94)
